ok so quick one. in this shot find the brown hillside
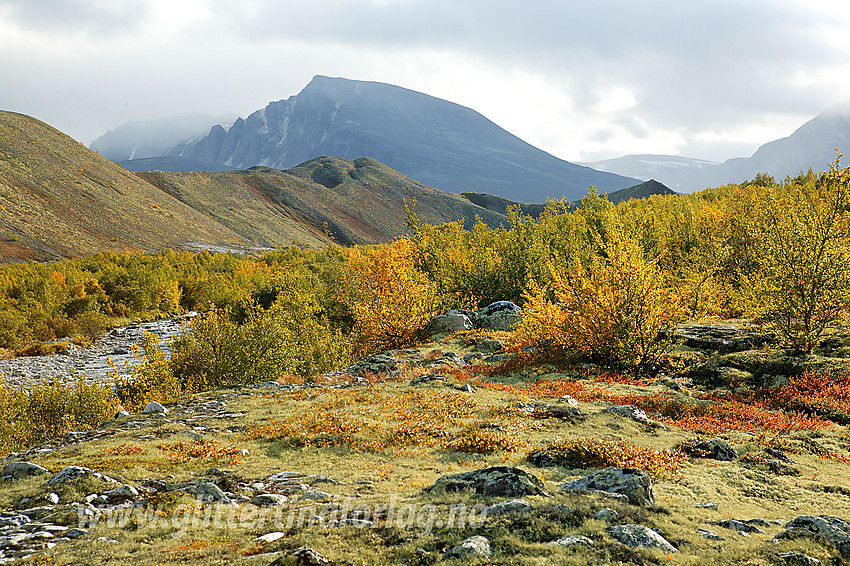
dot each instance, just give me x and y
(359, 201)
(59, 198)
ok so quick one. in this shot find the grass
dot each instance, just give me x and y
(387, 441)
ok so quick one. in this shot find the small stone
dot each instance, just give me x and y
(706, 505)
(124, 493)
(270, 537)
(715, 449)
(572, 540)
(630, 412)
(745, 526)
(74, 472)
(639, 536)
(154, 407)
(506, 507)
(496, 481)
(606, 514)
(269, 499)
(709, 534)
(473, 547)
(52, 498)
(315, 495)
(304, 556)
(76, 532)
(797, 559)
(569, 400)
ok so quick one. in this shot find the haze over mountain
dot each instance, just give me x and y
(438, 143)
(812, 145)
(152, 138)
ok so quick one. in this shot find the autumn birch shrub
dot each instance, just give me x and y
(391, 301)
(803, 282)
(612, 309)
(49, 410)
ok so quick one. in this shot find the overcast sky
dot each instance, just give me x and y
(582, 80)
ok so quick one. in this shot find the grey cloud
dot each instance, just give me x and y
(101, 17)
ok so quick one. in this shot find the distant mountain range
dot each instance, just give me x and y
(59, 199)
(438, 143)
(812, 145)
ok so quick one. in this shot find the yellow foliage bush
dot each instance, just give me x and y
(390, 300)
(612, 310)
(151, 379)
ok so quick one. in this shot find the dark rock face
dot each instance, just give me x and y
(498, 481)
(456, 149)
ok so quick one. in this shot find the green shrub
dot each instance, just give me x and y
(152, 379)
(50, 410)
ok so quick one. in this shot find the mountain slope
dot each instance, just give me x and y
(58, 198)
(135, 140)
(812, 145)
(359, 201)
(441, 144)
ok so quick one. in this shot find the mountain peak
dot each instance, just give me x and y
(439, 143)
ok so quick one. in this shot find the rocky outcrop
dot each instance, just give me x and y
(830, 529)
(634, 485)
(498, 481)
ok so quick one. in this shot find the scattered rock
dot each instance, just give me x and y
(378, 364)
(501, 315)
(744, 526)
(572, 540)
(428, 378)
(316, 495)
(490, 346)
(606, 514)
(304, 556)
(721, 338)
(634, 484)
(269, 499)
(76, 532)
(507, 507)
(74, 472)
(22, 469)
(154, 407)
(569, 400)
(797, 559)
(630, 412)
(639, 536)
(706, 505)
(473, 547)
(715, 449)
(709, 534)
(450, 322)
(206, 491)
(831, 529)
(270, 537)
(123, 493)
(498, 481)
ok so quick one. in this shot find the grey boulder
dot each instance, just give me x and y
(639, 536)
(633, 484)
